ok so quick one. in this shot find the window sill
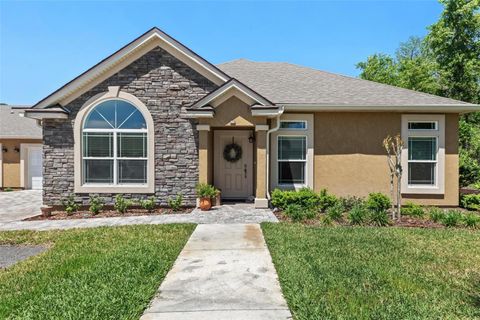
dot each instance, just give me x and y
(419, 189)
(105, 188)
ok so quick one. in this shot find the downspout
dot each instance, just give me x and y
(277, 126)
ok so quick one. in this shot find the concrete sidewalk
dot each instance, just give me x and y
(224, 272)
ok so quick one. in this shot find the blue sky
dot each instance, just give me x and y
(45, 44)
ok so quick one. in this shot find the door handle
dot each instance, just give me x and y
(245, 170)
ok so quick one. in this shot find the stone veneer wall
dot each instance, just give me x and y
(166, 86)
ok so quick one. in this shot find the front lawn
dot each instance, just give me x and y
(377, 273)
(101, 273)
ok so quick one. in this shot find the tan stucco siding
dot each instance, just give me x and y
(350, 159)
(11, 161)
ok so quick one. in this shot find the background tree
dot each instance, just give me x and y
(446, 63)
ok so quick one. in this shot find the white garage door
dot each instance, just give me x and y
(35, 179)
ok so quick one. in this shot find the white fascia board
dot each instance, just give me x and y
(452, 108)
(199, 114)
(46, 115)
(266, 112)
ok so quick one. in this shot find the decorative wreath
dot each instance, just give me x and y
(232, 152)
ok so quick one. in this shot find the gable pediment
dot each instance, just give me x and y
(125, 56)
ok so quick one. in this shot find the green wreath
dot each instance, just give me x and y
(232, 152)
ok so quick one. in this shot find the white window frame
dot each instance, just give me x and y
(439, 134)
(115, 157)
(79, 186)
(293, 160)
(423, 121)
(309, 134)
(294, 129)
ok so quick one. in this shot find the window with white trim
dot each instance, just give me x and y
(292, 159)
(423, 156)
(293, 125)
(114, 145)
(422, 160)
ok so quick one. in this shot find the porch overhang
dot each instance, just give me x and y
(259, 105)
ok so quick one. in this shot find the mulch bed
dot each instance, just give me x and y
(406, 221)
(107, 213)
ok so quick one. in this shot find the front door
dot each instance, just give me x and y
(233, 168)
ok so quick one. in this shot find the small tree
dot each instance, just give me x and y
(393, 146)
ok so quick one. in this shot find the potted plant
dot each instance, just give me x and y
(205, 192)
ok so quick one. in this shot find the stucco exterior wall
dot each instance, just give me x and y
(350, 160)
(11, 161)
(166, 86)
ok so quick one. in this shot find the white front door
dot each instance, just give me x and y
(35, 178)
(234, 179)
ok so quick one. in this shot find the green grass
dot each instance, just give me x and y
(101, 273)
(377, 273)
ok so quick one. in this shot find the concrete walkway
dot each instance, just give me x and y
(232, 213)
(18, 205)
(224, 272)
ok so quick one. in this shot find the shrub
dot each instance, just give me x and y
(436, 214)
(471, 201)
(96, 204)
(304, 197)
(326, 200)
(8, 189)
(471, 220)
(378, 217)
(357, 215)
(148, 204)
(298, 213)
(413, 210)
(175, 204)
(452, 218)
(205, 190)
(335, 212)
(350, 202)
(121, 204)
(378, 202)
(326, 220)
(70, 205)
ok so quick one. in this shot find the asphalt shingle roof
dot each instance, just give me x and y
(283, 82)
(12, 124)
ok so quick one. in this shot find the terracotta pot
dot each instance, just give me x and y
(205, 203)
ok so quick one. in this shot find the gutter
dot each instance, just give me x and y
(277, 126)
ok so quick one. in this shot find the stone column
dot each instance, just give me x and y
(261, 183)
(204, 154)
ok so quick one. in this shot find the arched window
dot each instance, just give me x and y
(114, 145)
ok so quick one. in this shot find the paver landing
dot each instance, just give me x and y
(224, 272)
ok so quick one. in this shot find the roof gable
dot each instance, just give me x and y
(126, 55)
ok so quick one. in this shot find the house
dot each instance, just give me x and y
(155, 118)
(21, 149)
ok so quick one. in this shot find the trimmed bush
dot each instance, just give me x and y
(378, 202)
(471, 201)
(69, 204)
(357, 215)
(378, 218)
(350, 202)
(121, 204)
(335, 212)
(176, 204)
(304, 197)
(452, 218)
(471, 220)
(413, 210)
(298, 213)
(436, 214)
(96, 204)
(326, 200)
(148, 204)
